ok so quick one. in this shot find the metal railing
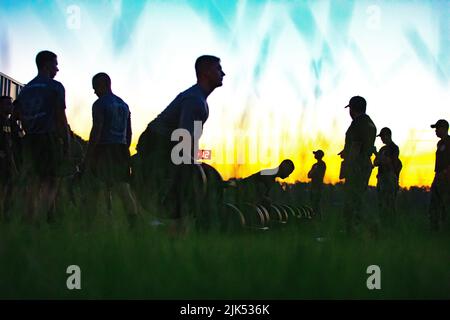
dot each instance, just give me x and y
(9, 86)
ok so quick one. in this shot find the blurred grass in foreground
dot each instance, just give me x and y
(304, 259)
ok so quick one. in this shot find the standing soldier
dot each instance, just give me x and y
(440, 188)
(108, 155)
(357, 166)
(42, 108)
(316, 174)
(389, 167)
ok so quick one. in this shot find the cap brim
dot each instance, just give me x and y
(346, 106)
(433, 126)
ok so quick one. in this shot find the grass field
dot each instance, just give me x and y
(304, 259)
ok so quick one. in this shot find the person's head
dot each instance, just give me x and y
(209, 71)
(441, 127)
(47, 64)
(285, 169)
(6, 105)
(101, 83)
(385, 135)
(357, 106)
(318, 154)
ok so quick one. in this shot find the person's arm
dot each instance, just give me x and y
(354, 150)
(129, 132)
(445, 174)
(98, 118)
(9, 148)
(360, 144)
(320, 171)
(378, 159)
(62, 128)
(192, 109)
(312, 172)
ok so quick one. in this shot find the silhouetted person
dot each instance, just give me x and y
(440, 188)
(389, 167)
(108, 155)
(316, 174)
(156, 171)
(357, 166)
(10, 135)
(256, 188)
(41, 106)
(17, 135)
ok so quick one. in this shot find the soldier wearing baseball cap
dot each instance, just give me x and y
(440, 188)
(356, 166)
(389, 167)
(316, 174)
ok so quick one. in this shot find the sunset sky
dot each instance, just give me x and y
(291, 67)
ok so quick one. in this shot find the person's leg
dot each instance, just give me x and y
(445, 191)
(2, 200)
(315, 202)
(129, 202)
(32, 178)
(434, 208)
(49, 190)
(349, 205)
(383, 200)
(32, 195)
(7, 201)
(355, 188)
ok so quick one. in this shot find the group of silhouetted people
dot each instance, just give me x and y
(35, 140)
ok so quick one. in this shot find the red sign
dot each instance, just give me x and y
(204, 155)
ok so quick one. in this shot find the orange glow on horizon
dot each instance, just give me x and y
(235, 159)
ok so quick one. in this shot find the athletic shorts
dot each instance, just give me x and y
(43, 155)
(110, 163)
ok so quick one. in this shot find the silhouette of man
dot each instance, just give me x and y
(108, 155)
(155, 166)
(389, 167)
(257, 187)
(440, 188)
(10, 135)
(357, 166)
(316, 174)
(41, 106)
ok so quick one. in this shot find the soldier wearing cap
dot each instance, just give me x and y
(356, 166)
(316, 174)
(389, 167)
(440, 188)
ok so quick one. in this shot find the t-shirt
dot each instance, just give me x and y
(362, 132)
(187, 107)
(392, 152)
(37, 103)
(116, 116)
(257, 184)
(442, 154)
(317, 173)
